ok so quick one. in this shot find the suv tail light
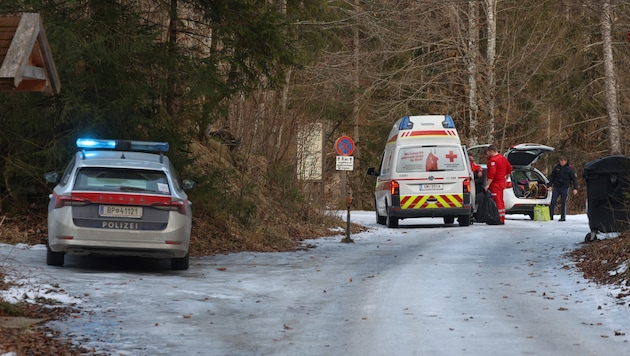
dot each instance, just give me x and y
(509, 184)
(395, 188)
(179, 206)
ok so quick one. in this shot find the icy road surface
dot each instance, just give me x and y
(424, 289)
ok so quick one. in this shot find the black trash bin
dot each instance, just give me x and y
(608, 195)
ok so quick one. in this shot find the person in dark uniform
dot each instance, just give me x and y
(562, 178)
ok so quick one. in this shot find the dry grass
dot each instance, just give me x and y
(606, 262)
(31, 229)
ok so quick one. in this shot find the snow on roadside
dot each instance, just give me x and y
(24, 288)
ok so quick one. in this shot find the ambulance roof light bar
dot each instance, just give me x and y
(407, 124)
(448, 122)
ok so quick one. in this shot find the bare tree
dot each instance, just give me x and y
(612, 103)
(472, 59)
(491, 32)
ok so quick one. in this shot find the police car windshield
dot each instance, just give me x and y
(120, 179)
(430, 159)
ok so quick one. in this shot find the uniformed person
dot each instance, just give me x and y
(563, 177)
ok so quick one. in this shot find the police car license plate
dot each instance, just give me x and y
(120, 211)
(434, 186)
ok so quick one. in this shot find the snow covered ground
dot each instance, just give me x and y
(425, 288)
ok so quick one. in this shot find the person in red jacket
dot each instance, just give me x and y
(477, 174)
(498, 170)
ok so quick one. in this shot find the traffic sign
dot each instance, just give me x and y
(345, 163)
(344, 146)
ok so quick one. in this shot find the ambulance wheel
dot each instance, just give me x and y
(391, 221)
(449, 219)
(381, 220)
(464, 220)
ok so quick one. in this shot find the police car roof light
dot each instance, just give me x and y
(88, 143)
(121, 145)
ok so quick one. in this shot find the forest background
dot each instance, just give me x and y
(234, 85)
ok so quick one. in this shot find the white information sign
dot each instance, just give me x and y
(345, 163)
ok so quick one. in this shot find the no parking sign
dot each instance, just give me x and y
(344, 146)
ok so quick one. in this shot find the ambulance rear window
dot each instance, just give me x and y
(430, 159)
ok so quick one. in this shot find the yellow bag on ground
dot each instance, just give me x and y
(541, 213)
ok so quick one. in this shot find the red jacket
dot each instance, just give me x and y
(475, 168)
(498, 169)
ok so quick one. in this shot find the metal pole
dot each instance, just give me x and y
(347, 238)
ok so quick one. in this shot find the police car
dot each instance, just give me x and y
(119, 198)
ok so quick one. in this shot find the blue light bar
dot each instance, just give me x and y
(122, 145)
(405, 123)
(149, 146)
(88, 143)
(448, 122)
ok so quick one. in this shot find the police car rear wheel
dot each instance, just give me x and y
(180, 264)
(54, 258)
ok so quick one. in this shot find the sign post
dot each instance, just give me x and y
(348, 238)
(345, 162)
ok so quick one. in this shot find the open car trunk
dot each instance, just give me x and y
(529, 184)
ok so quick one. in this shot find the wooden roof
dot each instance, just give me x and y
(26, 62)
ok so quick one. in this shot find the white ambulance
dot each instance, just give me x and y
(424, 172)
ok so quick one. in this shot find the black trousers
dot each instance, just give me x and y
(563, 193)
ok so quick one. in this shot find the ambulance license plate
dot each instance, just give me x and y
(434, 186)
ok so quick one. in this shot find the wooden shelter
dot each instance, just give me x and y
(26, 62)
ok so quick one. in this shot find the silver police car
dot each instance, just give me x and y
(120, 198)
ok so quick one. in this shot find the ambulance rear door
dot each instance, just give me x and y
(433, 181)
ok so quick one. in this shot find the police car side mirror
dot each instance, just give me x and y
(372, 172)
(188, 184)
(51, 177)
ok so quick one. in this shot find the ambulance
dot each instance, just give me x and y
(424, 172)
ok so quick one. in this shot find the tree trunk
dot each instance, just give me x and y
(491, 15)
(612, 103)
(472, 66)
(356, 49)
(172, 48)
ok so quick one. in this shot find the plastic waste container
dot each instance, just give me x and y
(608, 195)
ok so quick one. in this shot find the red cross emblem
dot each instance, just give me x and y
(451, 156)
